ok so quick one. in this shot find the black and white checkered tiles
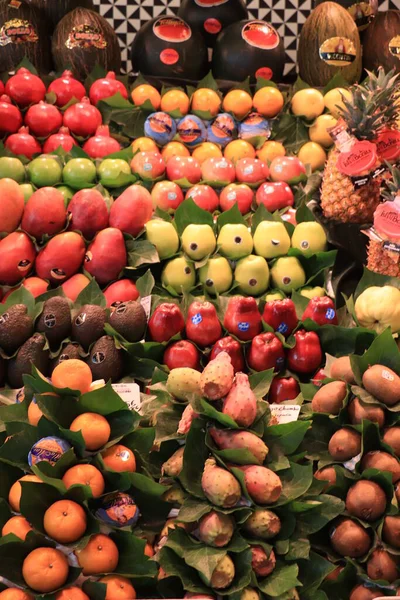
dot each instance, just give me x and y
(287, 16)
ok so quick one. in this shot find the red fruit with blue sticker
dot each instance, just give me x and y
(202, 324)
(266, 352)
(306, 355)
(322, 311)
(242, 318)
(281, 316)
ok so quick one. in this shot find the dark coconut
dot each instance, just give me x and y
(84, 39)
(23, 33)
(382, 42)
(362, 12)
(249, 48)
(209, 17)
(168, 47)
(54, 10)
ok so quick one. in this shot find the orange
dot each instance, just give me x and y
(119, 458)
(19, 526)
(72, 593)
(99, 556)
(206, 100)
(270, 150)
(144, 92)
(238, 102)
(85, 475)
(34, 414)
(148, 550)
(144, 144)
(238, 149)
(73, 374)
(74, 285)
(268, 101)
(14, 495)
(45, 569)
(15, 594)
(174, 149)
(175, 100)
(205, 151)
(95, 430)
(118, 588)
(65, 521)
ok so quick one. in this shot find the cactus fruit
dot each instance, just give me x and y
(263, 524)
(263, 485)
(261, 563)
(223, 574)
(227, 439)
(217, 378)
(220, 486)
(183, 382)
(173, 466)
(216, 529)
(174, 495)
(241, 403)
(249, 594)
(186, 420)
(202, 596)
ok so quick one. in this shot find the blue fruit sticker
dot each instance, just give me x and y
(49, 449)
(244, 326)
(280, 362)
(283, 328)
(197, 319)
(330, 314)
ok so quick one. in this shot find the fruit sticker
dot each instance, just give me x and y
(118, 510)
(85, 37)
(222, 130)
(387, 219)
(17, 31)
(338, 52)
(210, 3)
(388, 144)
(172, 29)
(394, 46)
(212, 26)
(191, 130)
(264, 73)
(260, 35)
(361, 157)
(49, 449)
(169, 56)
(363, 13)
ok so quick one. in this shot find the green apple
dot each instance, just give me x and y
(27, 190)
(12, 168)
(252, 275)
(235, 240)
(216, 275)
(45, 171)
(309, 237)
(288, 274)
(114, 172)
(198, 241)
(67, 193)
(179, 274)
(275, 296)
(164, 237)
(315, 292)
(271, 239)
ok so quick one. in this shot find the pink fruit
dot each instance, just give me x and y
(229, 439)
(65, 88)
(10, 116)
(263, 485)
(43, 119)
(174, 465)
(88, 212)
(251, 170)
(262, 563)
(148, 165)
(131, 211)
(275, 195)
(61, 139)
(167, 196)
(219, 170)
(74, 286)
(186, 420)
(82, 118)
(106, 255)
(44, 213)
(17, 257)
(25, 88)
(286, 168)
(101, 144)
(106, 87)
(23, 143)
(220, 486)
(239, 194)
(217, 378)
(216, 529)
(184, 167)
(61, 258)
(241, 403)
(11, 205)
(121, 291)
(204, 196)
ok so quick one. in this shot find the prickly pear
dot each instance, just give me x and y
(263, 524)
(173, 466)
(261, 563)
(186, 420)
(217, 378)
(216, 529)
(241, 403)
(228, 439)
(183, 382)
(263, 485)
(250, 594)
(223, 574)
(174, 495)
(219, 485)
(202, 596)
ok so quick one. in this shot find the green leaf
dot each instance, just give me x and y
(371, 279)
(262, 214)
(233, 215)
(188, 212)
(283, 579)
(298, 548)
(26, 64)
(337, 81)
(300, 85)
(176, 567)
(314, 571)
(288, 436)
(291, 131)
(208, 82)
(145, 284)
(103, 401)
(303, 214)
(20, 296)
(130, 120)
(383, 351)
(98, 72)
(196, 555)
(193, 510)
(91, 294)
(194, 458)
(326, 508)
(261, 382)
(262, 83)
(141, 252)
(130, 546)
(295, 482)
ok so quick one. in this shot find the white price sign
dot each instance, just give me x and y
(130, 394)
(285, 413)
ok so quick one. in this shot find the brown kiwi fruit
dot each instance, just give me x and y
(341, 369)
(344, 444)
(383, 383)
(366, 500)
(327, 474)
(329, 398)
(391, 531)
(383, 462)
(382, 565)
(392, 439)
(362, 593)
(348, 538)
(359, 412)
(333, 575)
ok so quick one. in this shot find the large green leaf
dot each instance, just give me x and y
(287, 436)
(189, 213)
(194, 458)
(382, 351)
(283, 579)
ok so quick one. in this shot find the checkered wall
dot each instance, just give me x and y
(287, 16)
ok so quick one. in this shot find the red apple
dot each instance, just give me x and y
(237, 193)
(322, 311)
(123, 290)
(184, 167)
(275, 195)
(167, 196)
(318, 377)
(283, 389)
(131, 211)
(148, 165)
(218, 170)
(290, 216)
(251, 170)
(286, 168)
(204, 196)
(182, 354)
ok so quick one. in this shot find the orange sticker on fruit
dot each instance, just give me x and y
(360, 158)
(264, 73)
(172, 29)
(17, 31)
(388, 144)
(394, 46)
(387, 219)
(85, 37)
(212, 26)
(338, 52)
(260, 35)
(169, 56)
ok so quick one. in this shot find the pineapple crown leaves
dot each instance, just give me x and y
(392, 185)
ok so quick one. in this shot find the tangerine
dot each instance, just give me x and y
(65, 521)
(45, 569)
(119, 458)
(268, 101)
(74, 374)
(15, 594)
(18, 525)
(34, 413)
(270, 150)
(312, 154)
(238, 149)
(144, 92)
(174, 149)
(206, 150)
(148, 550)
(72, 593)
(238, 102)
(118, 588)
(100, 555)
(175, 100)
(14, 495)
(85, 475)
(206, 100)
(94, 428)
(144, 144)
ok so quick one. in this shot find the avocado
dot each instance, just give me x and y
(69, 351)
(106, 361)
(130, 320)
(32, 352)
(16, 326)
(55, 320)
(88, 325)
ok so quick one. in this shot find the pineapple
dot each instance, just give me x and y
(371, 109)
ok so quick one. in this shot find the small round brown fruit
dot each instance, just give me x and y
(341, 369)
(344, 444)
(391, 531)
(362, 593)
(348, 538)
(329, 398)
(359, 412)
(383, 462)
(326, 474)
(366, 500)
(392, 439)
(381, 565)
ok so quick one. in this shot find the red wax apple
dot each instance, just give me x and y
(165, 322)
(322, 311)
(282, 389)
(318, 378)
(266, 352)
(242, 318)
(202, 324)
(236, 193)
(233, 348)
(306, 355)
(275, 195)
(281, 315)
(182, 354)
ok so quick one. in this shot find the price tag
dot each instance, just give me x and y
(130, 394)
(146, 303)
(285, 413)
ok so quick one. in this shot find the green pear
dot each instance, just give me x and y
(235, 240)
(179, 274)
(309, 237)
(315, 292)
(288, 274)
(252, 275)
(216, 275)
(198, 241)
(164, 237)
(271, 239)
(275, 296)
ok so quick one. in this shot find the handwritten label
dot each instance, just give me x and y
(285, 413)
(146, 304)
(130, 394)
